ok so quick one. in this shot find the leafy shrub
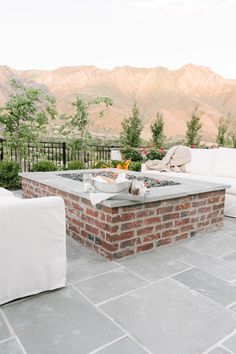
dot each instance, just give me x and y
(75, 165)
(9, 174)
(135, 166)
(107, 164)
(44, 166)
(132, 154)
(102, 164)
(156, 154)
(114, 163)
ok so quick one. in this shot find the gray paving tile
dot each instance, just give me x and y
(72, 247)
(83, 263)
(18, 193)
(231, 257)
(60, 322)
(109, 285)
(124, 346)
(215, 266)
(218, 350)
(208, 285)
(10, 347)
(231, 343)
(215, 243)
(168, 318)
(4, 331)
(153, 265)
(233, 308)
(230, 225)
(229, 221)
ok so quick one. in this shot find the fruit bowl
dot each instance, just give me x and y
(112, 187)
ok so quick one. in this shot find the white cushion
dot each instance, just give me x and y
(230, 205)
(7, 198)
(32, 246)
(214, 179)
(202, 161)
(225, 163)
(4, 192)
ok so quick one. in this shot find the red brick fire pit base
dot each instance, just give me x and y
(122, 231)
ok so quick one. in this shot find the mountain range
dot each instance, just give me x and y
(175, 93)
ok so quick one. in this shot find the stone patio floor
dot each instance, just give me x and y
(179, 299)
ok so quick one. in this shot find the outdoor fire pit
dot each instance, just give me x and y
(150, 182)
(172, 210)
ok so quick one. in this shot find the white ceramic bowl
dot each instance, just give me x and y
(112, 187)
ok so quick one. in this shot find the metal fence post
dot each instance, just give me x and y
(64, 153)
(1, 149)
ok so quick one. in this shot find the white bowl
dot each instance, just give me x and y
(112, 187)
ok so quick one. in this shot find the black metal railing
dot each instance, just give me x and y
(58, 152)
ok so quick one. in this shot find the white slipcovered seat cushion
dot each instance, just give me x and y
(32, 246)
(197, 177)
(210, 165)
(225, 163)
(202, 161)
(230, 205)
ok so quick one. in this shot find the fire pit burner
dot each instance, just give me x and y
(148, 181)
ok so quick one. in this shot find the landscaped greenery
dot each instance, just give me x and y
(9, 177)
(157, 129)
(222, 135)
(131, 129)
(226, 135)
(76, 126)
(75, 165)
(27, 115)
(132, 154)
(44, 166)
(135, 166)
(24, 116)
(156, 154)
(193, 137)
(102, 164)
(233, 140)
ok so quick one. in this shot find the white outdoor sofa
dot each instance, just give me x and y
(32, 245)
(211, 165)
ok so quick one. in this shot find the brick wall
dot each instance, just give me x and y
(123, 231)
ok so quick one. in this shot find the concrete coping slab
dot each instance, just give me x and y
(186, 187)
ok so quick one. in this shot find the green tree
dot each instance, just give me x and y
(157, 129)
(233, 141)
(77, 125)
(193, 134)
(222, 135)
(25, 116)
(132, 128)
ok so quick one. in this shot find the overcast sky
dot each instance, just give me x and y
(46, 34)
